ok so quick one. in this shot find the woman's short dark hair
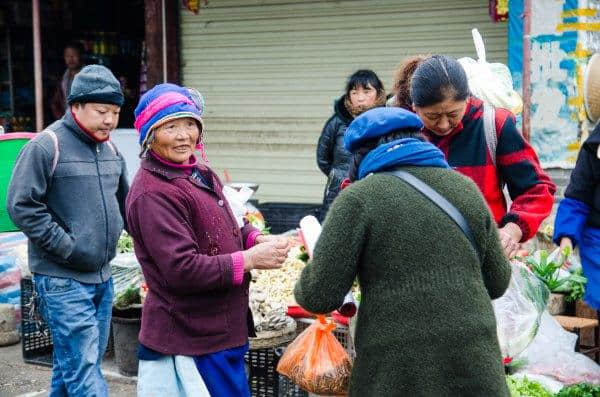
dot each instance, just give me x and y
(77, 46)
(363, 78)
(436, 79)
(372, 144)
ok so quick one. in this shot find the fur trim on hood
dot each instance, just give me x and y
(358, 110)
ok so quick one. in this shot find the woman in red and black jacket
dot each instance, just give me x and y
(454, 122)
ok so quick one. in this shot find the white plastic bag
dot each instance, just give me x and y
(15, 244)
(519, 310)
(490, 82)
(552, 353)
(13, 266)
(237, 201)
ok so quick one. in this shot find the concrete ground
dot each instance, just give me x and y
(19, 379)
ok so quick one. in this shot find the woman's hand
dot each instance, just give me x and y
(510, 235)
(265, 238)
(566, 242)
(267, 255)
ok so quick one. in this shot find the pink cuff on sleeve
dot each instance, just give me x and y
(237, 260)
(251, 239)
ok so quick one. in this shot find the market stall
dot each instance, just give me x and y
(538, 353)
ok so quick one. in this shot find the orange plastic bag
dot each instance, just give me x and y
(316, 361)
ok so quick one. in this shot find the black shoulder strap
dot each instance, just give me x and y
(441, 202)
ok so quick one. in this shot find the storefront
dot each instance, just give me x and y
(270, 72)
(108, 32)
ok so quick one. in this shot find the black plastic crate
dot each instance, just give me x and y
(263, 379)
(281, 217)
(287, 388)
(36, 341)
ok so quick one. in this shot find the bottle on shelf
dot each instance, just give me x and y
(95, 45)
(103, 46)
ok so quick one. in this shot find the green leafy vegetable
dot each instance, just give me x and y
(577, 283)
(125, 243)
(128, 297)
(580, 390)
(535, 292)
(549, 271)
(526, 388)
(546, 270)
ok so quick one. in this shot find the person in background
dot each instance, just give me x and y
(195, 258)
(67, 194)
(425, 324)
(73, 56)
(364, 91)
(577, 221)
(453, 121)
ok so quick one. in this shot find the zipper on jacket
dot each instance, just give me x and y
(105, 212)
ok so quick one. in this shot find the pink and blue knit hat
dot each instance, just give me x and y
(166, 102)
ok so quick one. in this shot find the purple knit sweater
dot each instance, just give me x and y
(187, 241)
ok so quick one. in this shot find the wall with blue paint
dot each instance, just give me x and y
(556, 100)
(515, 41)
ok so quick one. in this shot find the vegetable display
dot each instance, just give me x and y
(580, 390)
(526, 388)
(549, 269)
(271, 291)
(125, 243)
(127, 298)
(574, 288)
(127, 274)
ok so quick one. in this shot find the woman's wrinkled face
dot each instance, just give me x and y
(443, 117)
(176, 140)
(363, 96)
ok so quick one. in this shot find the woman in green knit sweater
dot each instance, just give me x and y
(425, 325)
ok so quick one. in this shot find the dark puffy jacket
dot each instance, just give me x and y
(332, 158)
(585, 179)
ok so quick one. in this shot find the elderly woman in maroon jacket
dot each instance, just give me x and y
(194, 256)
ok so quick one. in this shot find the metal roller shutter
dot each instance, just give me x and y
(271, 69)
